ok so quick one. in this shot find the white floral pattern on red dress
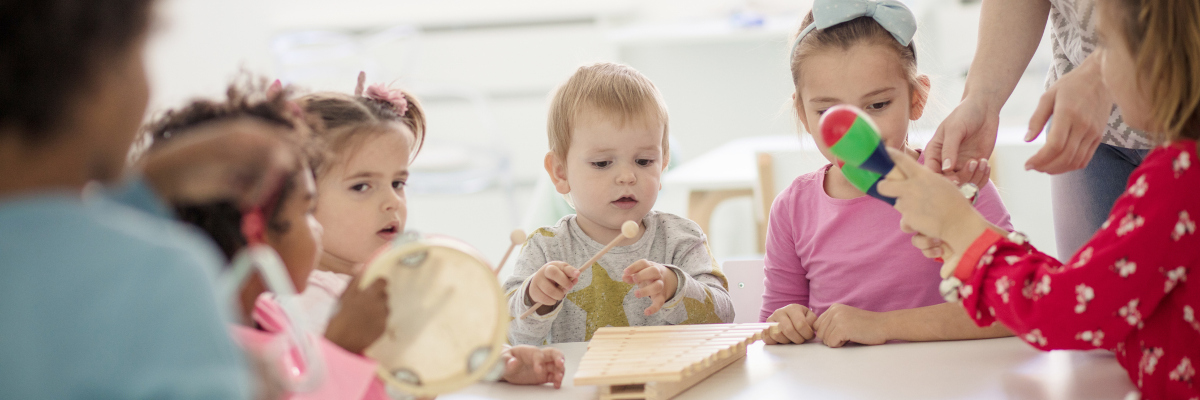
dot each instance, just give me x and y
(1131, 313)
(1174, 276)
(1095, 338)
(1124, 267)
(1149, 363)
(1083, 294)
(1183, 372)
(1185, 226)
(1002, 287)
(1084, 257)
(1035, 337)
(1138, 189)
(1129, 222)
(1181, 163)
(1189, 317)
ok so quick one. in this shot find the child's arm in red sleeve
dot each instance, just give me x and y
(1117, 279)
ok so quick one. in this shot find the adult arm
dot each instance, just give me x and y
(1009, 32)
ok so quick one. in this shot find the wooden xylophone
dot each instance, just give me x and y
(659, 362)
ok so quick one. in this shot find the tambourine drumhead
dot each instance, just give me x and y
(447, 320)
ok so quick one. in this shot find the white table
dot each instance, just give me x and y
(974, 369)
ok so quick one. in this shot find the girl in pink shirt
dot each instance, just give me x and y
(838, 267)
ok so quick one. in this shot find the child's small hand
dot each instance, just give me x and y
(361, 317)
(931, 247)
(528, 365)
(795, 325)
(550, 284)
(653, 280)
(977, 172)
(841, 324)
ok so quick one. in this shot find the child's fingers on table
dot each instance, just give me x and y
(792, 333)
(827, 330)
(819, 324)
(801, 320)
(776, 336)
(537, 362)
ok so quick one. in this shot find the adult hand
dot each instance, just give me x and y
(841, 324)
(795, 325)
(967, 135)
(1080, 105)
(223, 162)
(930, 204)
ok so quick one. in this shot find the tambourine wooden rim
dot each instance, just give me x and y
(392, 257)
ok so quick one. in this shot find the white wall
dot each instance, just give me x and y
(721, 80)
(199, 45)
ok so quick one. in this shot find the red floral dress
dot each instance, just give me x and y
(1127, 290)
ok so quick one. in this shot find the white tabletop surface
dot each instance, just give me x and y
(975, 369)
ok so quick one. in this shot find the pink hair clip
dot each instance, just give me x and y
(393, 96)
(276, 89)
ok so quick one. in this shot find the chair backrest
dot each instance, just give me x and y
(745, 288)
(776, 170)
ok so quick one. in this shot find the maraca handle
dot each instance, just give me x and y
(866, 181)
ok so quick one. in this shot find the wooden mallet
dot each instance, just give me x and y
(629, 230)
(518, 238)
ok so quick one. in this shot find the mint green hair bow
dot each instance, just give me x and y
(892, 15)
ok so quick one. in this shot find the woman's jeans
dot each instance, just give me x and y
(1083, 198)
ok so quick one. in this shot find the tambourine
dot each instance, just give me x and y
(448, 319)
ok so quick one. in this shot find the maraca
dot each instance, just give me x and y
(865, 181)
(854, 139)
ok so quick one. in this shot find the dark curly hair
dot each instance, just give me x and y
(244, 99)
(52, 49)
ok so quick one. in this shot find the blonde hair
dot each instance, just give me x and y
(349, 119)
(845, 35)
(1164, 38)
(606, 87)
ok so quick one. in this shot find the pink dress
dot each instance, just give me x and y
(347, 375)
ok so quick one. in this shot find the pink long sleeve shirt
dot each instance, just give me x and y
(822, 251)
